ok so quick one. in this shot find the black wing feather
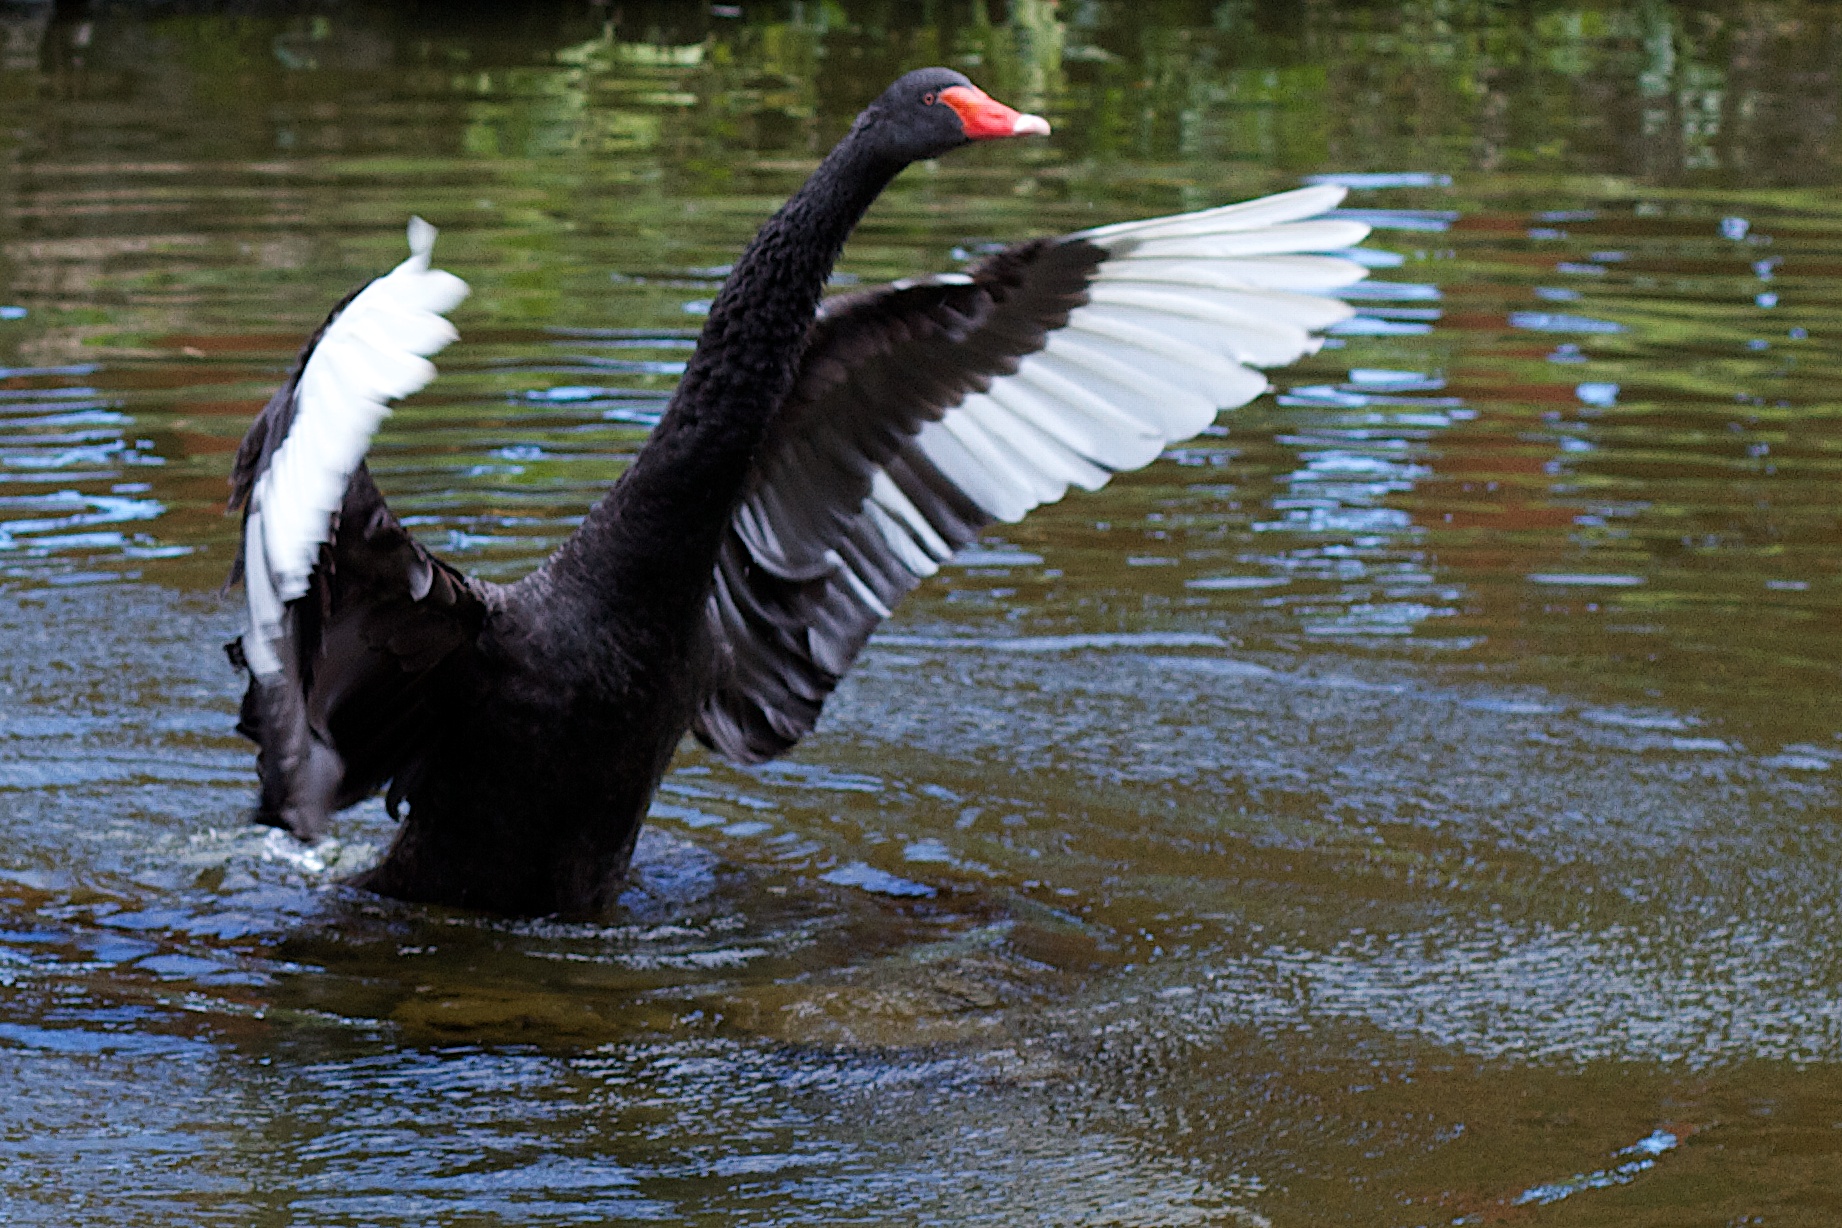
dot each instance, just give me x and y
(366, 652)
(878, 367)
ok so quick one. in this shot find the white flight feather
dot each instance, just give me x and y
(864, 593)
(1105, 450)
(896, 536)
(1012, 465)
(1244, 215)
(1043, 439)
(974, 475)
(885, 493)
(1177, 321)
(1115, 430)
(1320, 236)
(1149, 389)
(374, 351)
(265, 610)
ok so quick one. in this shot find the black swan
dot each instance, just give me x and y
(815, 464)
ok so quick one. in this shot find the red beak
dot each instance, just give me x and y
(985, 118)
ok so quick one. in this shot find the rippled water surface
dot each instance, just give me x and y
(1413, 802)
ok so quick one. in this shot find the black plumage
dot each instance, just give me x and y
(877, 366)
(790, 496)
(527, 725)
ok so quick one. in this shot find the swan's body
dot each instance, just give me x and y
(814, 465)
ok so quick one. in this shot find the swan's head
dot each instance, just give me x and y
(933, 110)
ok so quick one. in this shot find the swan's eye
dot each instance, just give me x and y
(930, 98)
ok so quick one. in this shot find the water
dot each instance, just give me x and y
(1412, 803)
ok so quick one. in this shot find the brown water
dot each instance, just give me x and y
(1413, 803)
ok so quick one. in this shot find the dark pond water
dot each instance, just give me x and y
(1415, 802)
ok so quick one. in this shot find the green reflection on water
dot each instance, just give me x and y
(1462, 817)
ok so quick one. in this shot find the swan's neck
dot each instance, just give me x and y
(751, 344)
(647, 550)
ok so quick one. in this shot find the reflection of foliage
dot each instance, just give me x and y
(1666, 89)
(669, 132)
(567, 122)
(167, 175)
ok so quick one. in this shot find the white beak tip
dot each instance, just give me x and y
(1030, 125)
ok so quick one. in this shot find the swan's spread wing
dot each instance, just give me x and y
(925, 411)
(348, 614)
